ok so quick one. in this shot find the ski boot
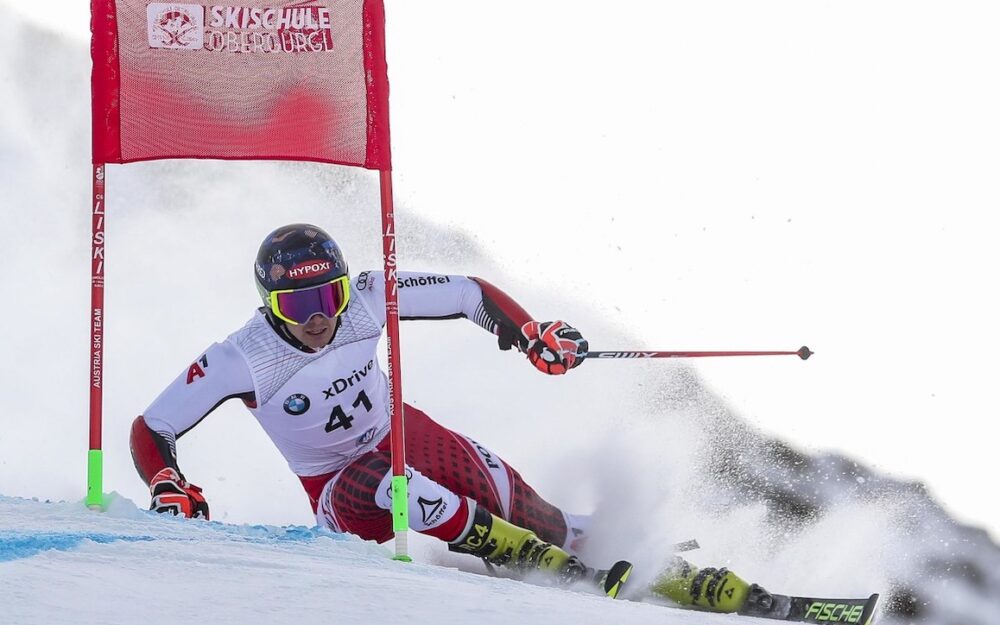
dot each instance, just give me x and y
(502, 543)
(718, 590)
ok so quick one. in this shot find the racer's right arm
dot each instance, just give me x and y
(219, 374)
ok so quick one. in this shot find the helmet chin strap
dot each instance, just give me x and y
(281, 329)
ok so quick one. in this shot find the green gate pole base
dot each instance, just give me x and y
(95, 479)
(400, 516)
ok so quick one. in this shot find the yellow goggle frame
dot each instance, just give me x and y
(345, 288)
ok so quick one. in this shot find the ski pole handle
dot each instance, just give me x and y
(803, 353)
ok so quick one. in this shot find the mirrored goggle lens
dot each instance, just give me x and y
(327, 299)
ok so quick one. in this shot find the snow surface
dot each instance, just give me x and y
(649, 447)
(63, 564)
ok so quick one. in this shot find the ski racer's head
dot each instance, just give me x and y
(302, 278)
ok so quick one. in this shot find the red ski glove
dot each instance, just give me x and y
(554, 347)
(171, 493)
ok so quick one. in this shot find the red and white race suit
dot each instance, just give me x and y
(327, 413)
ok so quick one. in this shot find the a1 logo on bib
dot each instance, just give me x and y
(296, 404)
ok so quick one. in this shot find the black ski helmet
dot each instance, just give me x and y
(297, 256)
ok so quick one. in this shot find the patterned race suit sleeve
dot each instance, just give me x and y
(438, 296)
(219, 374)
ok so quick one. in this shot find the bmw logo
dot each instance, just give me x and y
(296, 404)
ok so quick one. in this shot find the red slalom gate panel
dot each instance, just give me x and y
(278, 79)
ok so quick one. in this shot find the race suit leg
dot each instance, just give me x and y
(444, 467)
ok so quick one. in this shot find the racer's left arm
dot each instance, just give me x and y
(553, 347)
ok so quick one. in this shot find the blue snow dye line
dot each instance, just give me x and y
(16, 546)
(271, 534)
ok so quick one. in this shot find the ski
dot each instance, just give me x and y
(609, 581)
(612, 580)
(763, 604)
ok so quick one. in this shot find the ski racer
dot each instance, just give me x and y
(305, 365)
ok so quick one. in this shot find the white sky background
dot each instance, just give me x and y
(729, 175)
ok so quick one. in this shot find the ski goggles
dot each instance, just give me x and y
(296, 306)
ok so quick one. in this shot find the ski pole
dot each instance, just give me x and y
(803, 353)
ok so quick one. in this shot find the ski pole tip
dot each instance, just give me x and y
(804, 353)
